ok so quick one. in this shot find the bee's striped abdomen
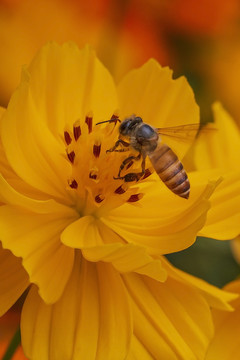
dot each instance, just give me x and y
(170, 170)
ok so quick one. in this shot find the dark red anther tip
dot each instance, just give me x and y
(67, 138)
(98, 199)
(92, 176)
(77, 132)
(96, 150)
(134, 198)
(73, 184)
(120, 190)
(71, 156)
(88, 121)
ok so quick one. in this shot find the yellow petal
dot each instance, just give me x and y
(220, 148)
(127, 258)
(10, 196)
(2, 110)
(223, 219)
(5, 168)
(49, 97)
(150, 92)
(216, 297)
(36, 238)
(91, 320)
(13, 279)
(82, 233)
(225, 344)
(99, 243)
(32, 151)
(138, 350)
(171, 320)
(164, 223)
(73, 83)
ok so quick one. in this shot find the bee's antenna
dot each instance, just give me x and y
(111, 120)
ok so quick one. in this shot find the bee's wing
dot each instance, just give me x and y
(184, 132)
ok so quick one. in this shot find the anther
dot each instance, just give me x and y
(96, 150)
(120, 190)
(73, 184)
(135, 197)
(88, 121)
(67, 138)
(116, 119)
(71, 156)
(114, 116)
(76, 131)
(92, 176)
(98, 199)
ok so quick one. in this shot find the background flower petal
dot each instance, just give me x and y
(36, 238)
(13, 279)
(90, 321)
(150, 92)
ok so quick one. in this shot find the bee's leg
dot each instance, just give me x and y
(129, 177)
(127, 161)
(132, 176)
(143, 163)
(119, 142)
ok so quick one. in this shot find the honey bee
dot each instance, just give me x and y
(145, 139)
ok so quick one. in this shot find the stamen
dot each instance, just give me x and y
(120, 190)
(77, 130)
(71, 156)
(135, 197)
(114, 116)
(96, 150)
(88, 121)
(73, 184)
(146, 174)
(99, 199)
(92, 176)
(67, 138)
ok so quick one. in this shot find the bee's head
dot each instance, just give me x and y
(129, 124)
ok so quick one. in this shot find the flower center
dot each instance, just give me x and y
(94, 169)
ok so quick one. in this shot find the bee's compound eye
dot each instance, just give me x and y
(124, 126)
(146, 131)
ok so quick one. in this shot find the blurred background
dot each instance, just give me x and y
(196, 38)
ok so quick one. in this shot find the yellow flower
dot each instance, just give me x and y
(219, 152)
(225, 344)
(91, 246)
